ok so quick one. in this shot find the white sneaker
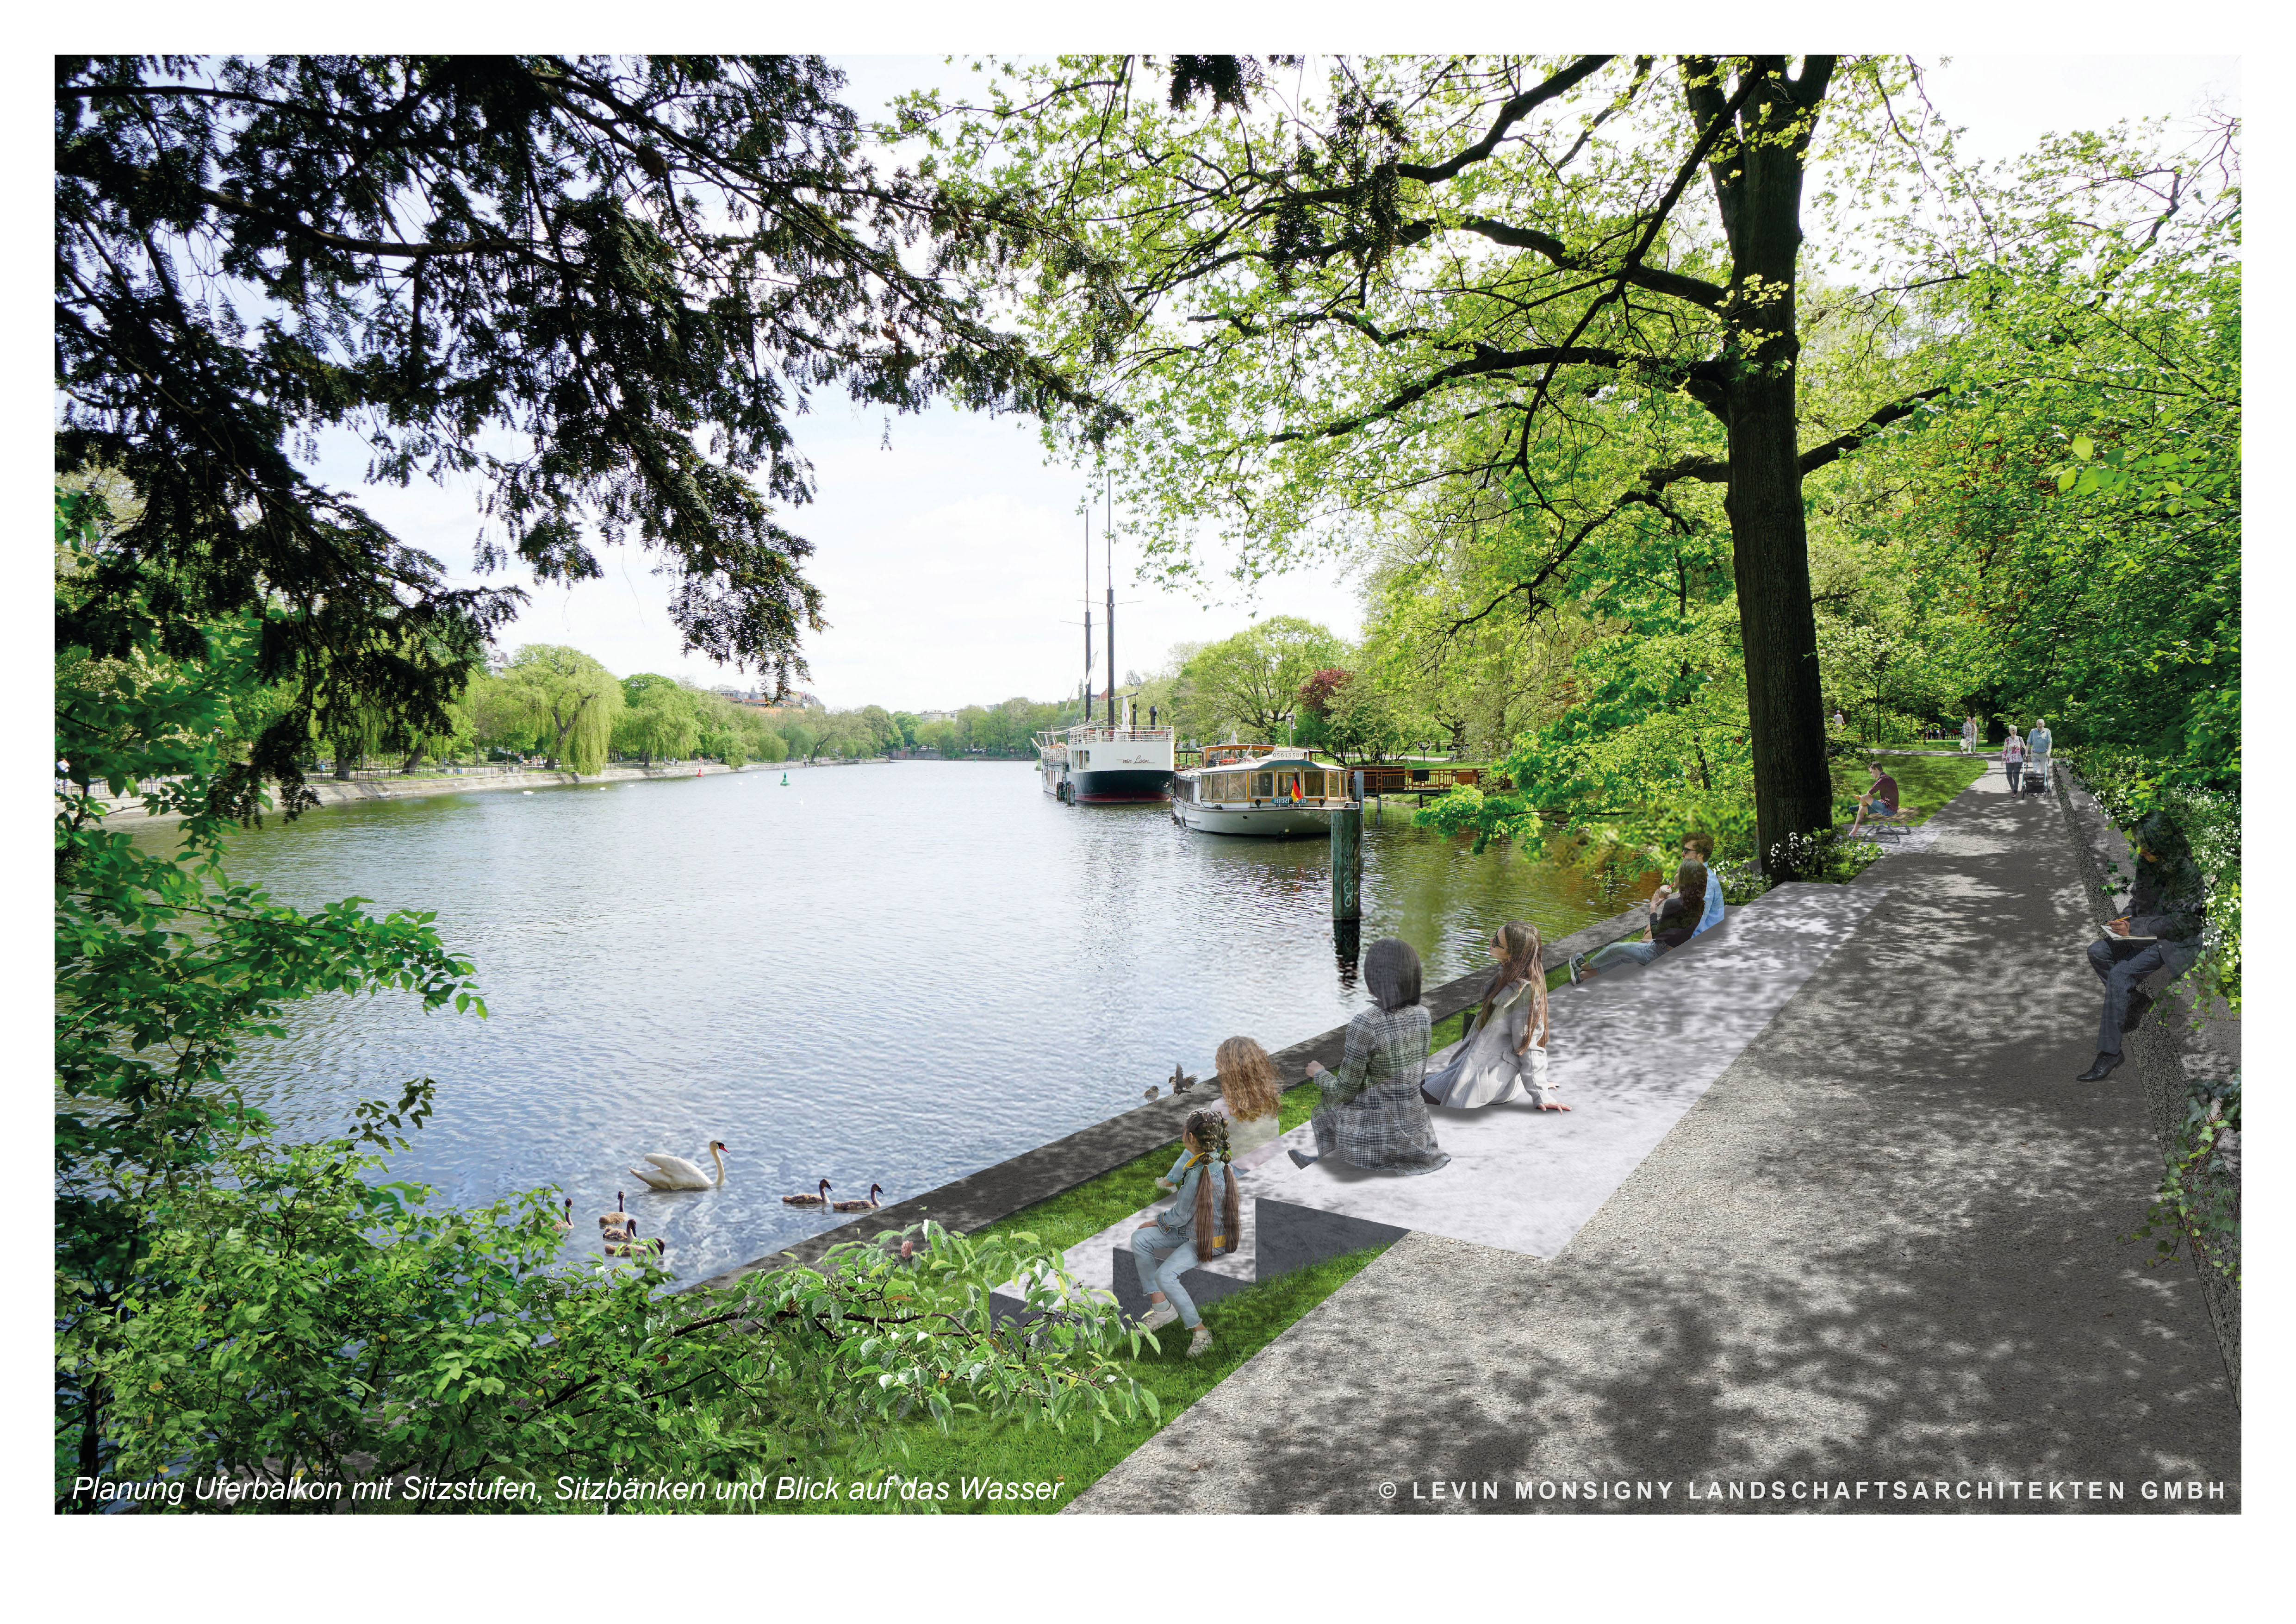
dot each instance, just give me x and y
(1159, 1316)
(1200, 1343)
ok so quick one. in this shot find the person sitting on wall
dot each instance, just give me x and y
(1372, 1115)
(1882, 795)
(1674, 915)
(1189, 1230)
(2162, 926)
(1698, 848)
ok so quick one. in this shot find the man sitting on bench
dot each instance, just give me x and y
(1880, 800)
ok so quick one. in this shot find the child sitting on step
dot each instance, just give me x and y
(1192, 1228)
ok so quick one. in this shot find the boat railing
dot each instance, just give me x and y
(1090, 734)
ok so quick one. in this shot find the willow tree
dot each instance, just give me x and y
(566, 702)
(1573, 282)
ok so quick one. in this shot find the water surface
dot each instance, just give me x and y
(892, 973)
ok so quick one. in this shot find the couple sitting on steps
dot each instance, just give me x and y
(1688, 907)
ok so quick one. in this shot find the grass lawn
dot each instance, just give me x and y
(1926, 782)
(1240, 1325)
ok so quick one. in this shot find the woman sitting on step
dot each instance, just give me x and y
(1372, 1115)
(1505, 1055)
(1189, 1229)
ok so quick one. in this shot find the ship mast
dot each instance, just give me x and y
(1109, 531)
(1087, 614)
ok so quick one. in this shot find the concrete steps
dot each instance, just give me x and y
(1631, 1050)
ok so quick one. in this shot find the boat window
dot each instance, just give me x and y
(1314, 787)
(1265, 784)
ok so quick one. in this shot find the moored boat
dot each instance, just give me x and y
(1095, 764)
(1260, 790)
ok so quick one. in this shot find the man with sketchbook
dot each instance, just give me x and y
(2161, 926)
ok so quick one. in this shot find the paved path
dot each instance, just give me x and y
(1882, 1248)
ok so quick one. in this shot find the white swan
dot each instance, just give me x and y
(677, 1173)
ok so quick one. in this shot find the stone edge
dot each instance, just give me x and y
(2165, 1053)
(999, 1190)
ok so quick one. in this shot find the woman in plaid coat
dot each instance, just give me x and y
(1372, 1114)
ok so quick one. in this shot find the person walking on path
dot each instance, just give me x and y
(1503, 1056)
(1372, 1115)
(2037, 744)
(1968, 734)
(2013, 758)
(1192, 1228)
(2161, 926)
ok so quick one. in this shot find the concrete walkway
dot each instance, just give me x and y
(1881, 1249)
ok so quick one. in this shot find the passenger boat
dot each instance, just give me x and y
(1257, 789)
(1097, 764)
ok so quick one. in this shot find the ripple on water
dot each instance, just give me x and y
(896, 974)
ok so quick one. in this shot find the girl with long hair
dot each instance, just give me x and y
(1503, 1055)
(1197, 1225)
(1250, 1091)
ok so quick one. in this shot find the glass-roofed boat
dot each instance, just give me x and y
(1260, 789)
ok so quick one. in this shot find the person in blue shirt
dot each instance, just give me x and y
(1700, 848)
(1192, 1228)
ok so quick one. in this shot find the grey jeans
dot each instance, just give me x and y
(1623, 952)
(2121, 965)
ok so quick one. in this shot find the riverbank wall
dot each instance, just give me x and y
(998, 1192)
(338, 791)
(2180, 1045)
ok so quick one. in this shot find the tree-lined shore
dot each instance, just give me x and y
(1689, 423)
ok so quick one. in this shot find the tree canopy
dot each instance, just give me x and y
(600, 289)
(1570, 284)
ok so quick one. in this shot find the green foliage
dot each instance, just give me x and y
(660, 718)
(303, 1310)
(1249, 683)
(1242, 1324)
(595, 285)
(163, 966)
(2198, 1203)
(563, 700)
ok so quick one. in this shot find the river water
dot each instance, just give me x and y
(893, 974)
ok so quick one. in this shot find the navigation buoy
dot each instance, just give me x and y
(785, 781)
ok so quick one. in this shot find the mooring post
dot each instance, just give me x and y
(1346, 870)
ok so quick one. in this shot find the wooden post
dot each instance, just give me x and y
(1347, 864)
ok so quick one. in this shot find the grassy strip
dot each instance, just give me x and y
(1241, 1327)
(1927, 782)
(1063, 1220)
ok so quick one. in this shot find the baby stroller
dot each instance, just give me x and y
(2037, 776)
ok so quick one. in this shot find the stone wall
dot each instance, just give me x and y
(2171, 1053)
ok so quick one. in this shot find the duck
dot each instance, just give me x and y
(677, 1173)
(1181, 1082)
(616, 1219)
(822, 1200)
(627, 1244)
(871, 1205)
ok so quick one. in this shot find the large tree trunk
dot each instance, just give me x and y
(1769, 539)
